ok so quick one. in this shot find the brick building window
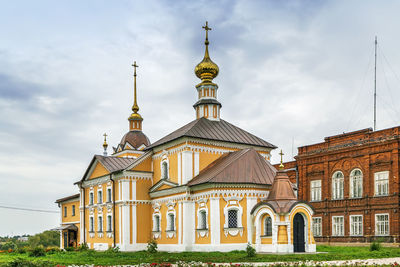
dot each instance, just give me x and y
(356, 225)
(316, 190)
(356, 183)
(337, 226)
(337, 185)
(382, 183)
(317, 226)
(382, 224)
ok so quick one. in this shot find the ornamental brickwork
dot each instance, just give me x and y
(374, 153)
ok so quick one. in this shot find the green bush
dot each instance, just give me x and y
(69, 249)
(83, 247)
(21, 250)
(20, 262)
(37, 252)
(375, 246)
(152, 246)
(251, 252)
(113, 250)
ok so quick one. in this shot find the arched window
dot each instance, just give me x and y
(337, 185)
(109, 223)
(356, 183)
(156, 227)
(91, 224)
(203, 220)
(100, 224)
(91, 198)
(268, 226)
(171, 222)
(232, 218)
(164, 170)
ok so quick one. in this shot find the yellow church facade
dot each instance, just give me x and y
(208, 186)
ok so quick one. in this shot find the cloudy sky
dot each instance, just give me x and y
(291, 72)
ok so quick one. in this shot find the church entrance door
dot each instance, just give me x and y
(298, 233)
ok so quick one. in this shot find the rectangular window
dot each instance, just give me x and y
(109, 223)
(316, 190)
(100, 224)
(382, 183)
(91, 198)
(91, 224)
(65, 211)
(171, 222)
(356, 225)
(382, 224)
(109, 196)
(337, 226)
(73, 210)
(317, 226)
(99, 197)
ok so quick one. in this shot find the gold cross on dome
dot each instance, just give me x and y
(135, 66)
(105, 137)
(206, 28)
(281, 165)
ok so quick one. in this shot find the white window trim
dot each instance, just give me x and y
(333, 225)
(91, 229)
(171, 233)
(166, 160)
(233, 204)
(376, 186)
(109, 232)
(202, 232)
(334, 195)
(313, 189)
(100, 232)
(91, 200)
(156, 234)
(362, 224)
(376, 225)
(352, 176)
(111, 195)
(320, 218)
(100, 190)
(265, 228)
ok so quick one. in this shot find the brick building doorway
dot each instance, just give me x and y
(298, 233)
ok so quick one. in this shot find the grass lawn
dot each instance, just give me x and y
(119, 258)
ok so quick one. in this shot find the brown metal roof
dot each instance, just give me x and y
(282, 188)
(243, 166)
(67, 198)
(113, 164)
(214, 130)
(135, 139)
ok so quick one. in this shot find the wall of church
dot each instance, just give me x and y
(231, 236)
(144, 223)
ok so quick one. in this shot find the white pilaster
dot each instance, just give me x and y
(180, 214)
(215, 225)
(187, 166)
(133, 188)
(196, 163)
(124, 190)
(134, 224)
(251, 202)
(188, 229)
(125, 226)
(179, 168)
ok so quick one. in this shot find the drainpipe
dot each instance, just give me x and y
(84, 213)
(113, 182)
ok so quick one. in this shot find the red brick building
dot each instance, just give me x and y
(352, 181)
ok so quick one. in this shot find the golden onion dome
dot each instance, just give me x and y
(206, 70)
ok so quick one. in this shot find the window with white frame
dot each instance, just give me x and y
(316, 190)
(109, 223)
(171, 222)
(356, 225)
(382, 183)
(100, 224)
(73, 210)
(65, 211)
(91, 198)
(109, 195)
(99, 196)
(317, 226)
(382, 224)
(356, 183)
(232, 218)
(164, 170)
(91, 224)
(337, 226)
(156, 223)
(268, 226)
(337, 185)
(202, 220)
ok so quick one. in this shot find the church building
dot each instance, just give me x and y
(207, 186)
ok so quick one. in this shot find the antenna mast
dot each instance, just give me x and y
(376, 44)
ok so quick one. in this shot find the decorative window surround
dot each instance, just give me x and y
(164, 167)
(100, 195)
(171, 220)
(315, 190)
(356, 183)
(233, 204)
(202, 219)
(337, 185)
(156, 231)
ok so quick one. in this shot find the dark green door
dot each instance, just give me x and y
(298, 233)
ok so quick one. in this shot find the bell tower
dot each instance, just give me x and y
(207, 105)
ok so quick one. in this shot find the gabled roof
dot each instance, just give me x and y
(214, 130)
(245, 166)
(76, 196)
